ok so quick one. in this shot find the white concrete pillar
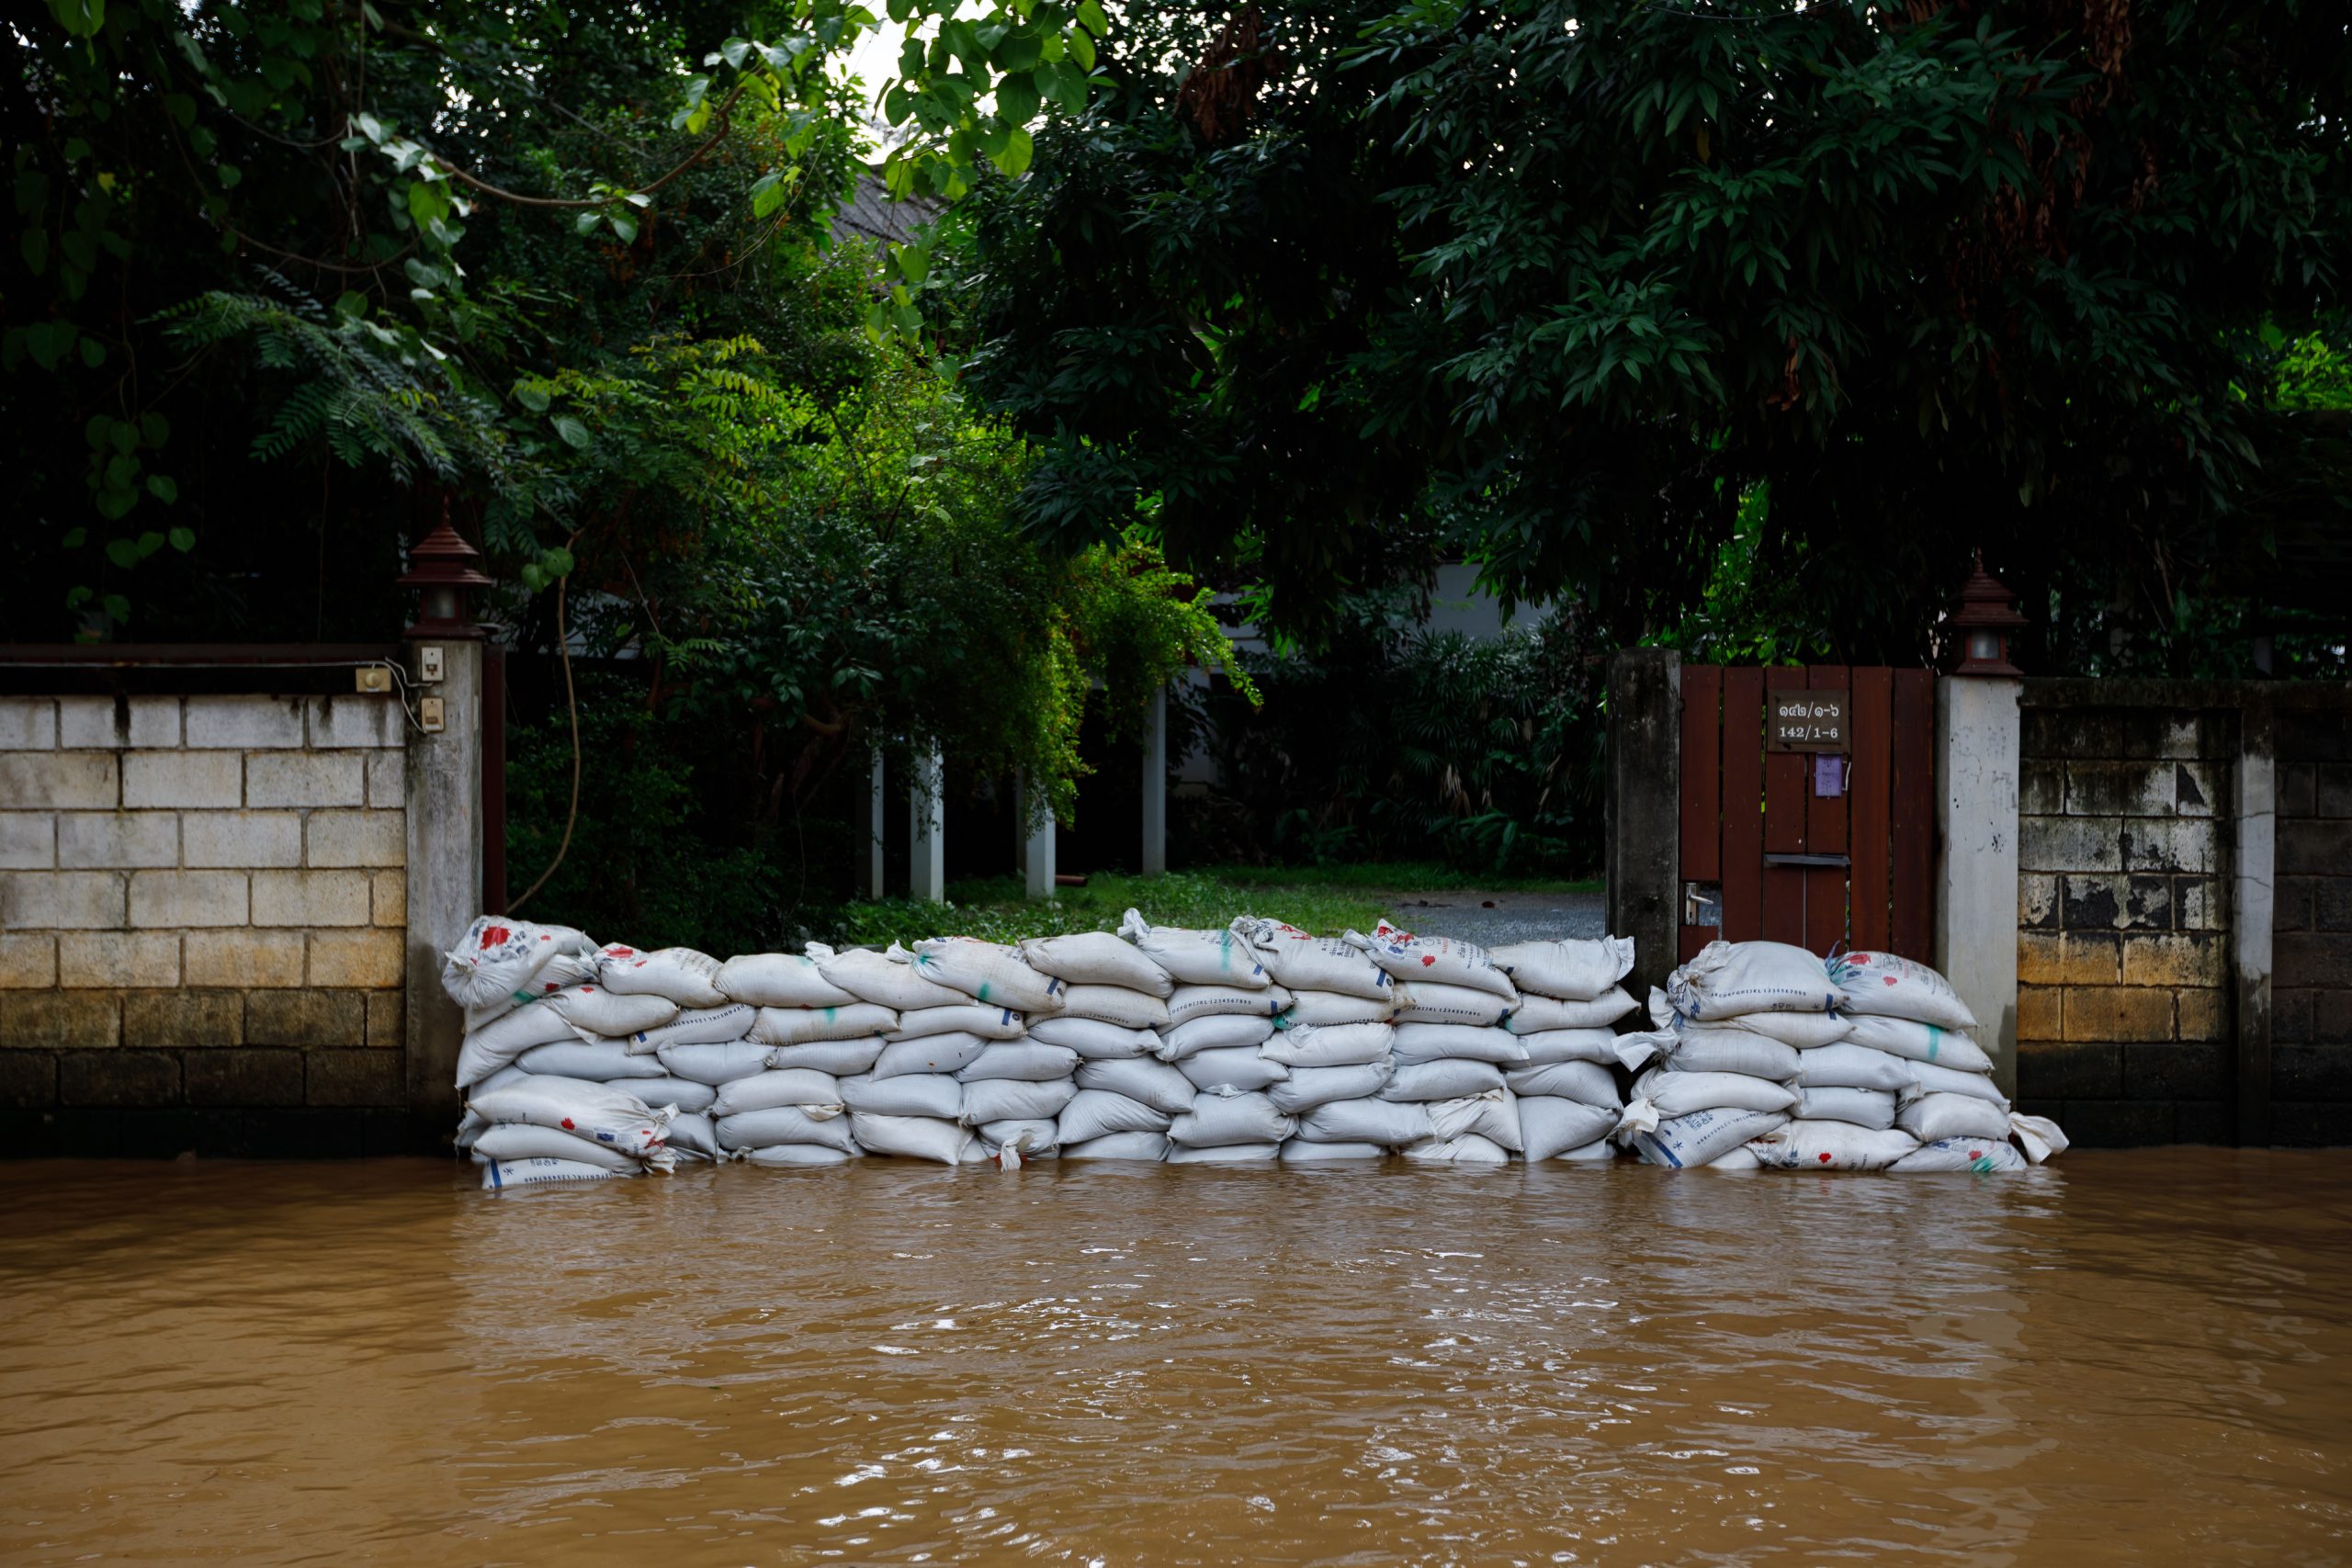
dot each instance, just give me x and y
(874, 880)
(442, 796)
(1155, 786)
(1036, 838)
(2253, 911)
(926, 834)
(1976, 885)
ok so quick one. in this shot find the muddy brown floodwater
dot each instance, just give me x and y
(2124, 1357)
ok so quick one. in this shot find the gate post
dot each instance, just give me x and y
(1976, 873)
(1644, 810)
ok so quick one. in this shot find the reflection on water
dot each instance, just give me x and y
(2138, 1354)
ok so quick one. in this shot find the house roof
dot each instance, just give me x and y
(870, 214)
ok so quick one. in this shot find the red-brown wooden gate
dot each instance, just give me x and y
(1787, 857)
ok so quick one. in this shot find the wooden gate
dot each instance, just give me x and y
(1813, 848)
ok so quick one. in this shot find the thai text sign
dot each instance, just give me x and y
(1805, 721)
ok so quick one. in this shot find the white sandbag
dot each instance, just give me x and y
(1849, 1065)
(1189, 1002)
(949, 1053)
(692, 1136)
(1437, 960)
(1448, 1080)
(1224, 1153)
(1553, 1128)
(970, 1018)
(686, 976)
(1982, 1155)
(699, 1026)
(1715, 1048)
(562, 972)
(1302, 1151)
(1728, 978)
(597, 1013)
(1097, 1113)
(1805, 1030)
(1872, 1107)
(498, 958)
(800, 1026)
(887, 980)
(1452, 1004)
(1468, 1149)
(1318, 1008)
(1196, 958)
(499, 1042)
(1241, 1070)
(1216, 1031)
(840, 1057)
(787, 1157)
(1115, 1004)
(1416, 1043)
(1493, 1115)
(1890, 986)
(779, 980)
(1570, 969)
(1155, 1084)
(1933, 1079)
(784, 1124)
(1587, 1083)
(1573, 1045)
(1537, 1015)
(1699, 1138)
(778, 1086)
(499, 1174)
(1027, 1060)
(692, 1098)
(600, 1061)
(1015, 1099)
(613, 1117)
(1600, 1151)
(714, 1065)
(2038, 1135)
(1830, 1146)
(1678, 1094)
(1331, 1046)
(1918, 1042)
(908, 1094)
(1301, 961)
(992, 974)
(1219, 1119)
(1093, 1040)
(1148, 1146)
(1741, 1158)
(1932, 1117)
(1387, 1122)
(1097, 958)
(1307, 1088)
(519, 1141)
(1014, 1142)
(917, 1137)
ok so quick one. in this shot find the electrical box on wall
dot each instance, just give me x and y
(373, 678)
(429, 711)
(428, 662)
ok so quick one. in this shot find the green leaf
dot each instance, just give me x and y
(914, 263)
(83, 19)
(1016, 98)
(572, 431)
(768, 194)
(531, 397)
(34, 245)
(229, 175)
(94, 352)
(584, 224)
(1082, 49)
(625, 226)
(123, 552)
(166, 490)
(1019, 150)
(183, 539)
(1090, 17)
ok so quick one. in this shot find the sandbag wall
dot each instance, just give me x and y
(1253, 1043)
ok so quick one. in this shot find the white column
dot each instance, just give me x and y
(926, 836)
(2253, 910)
(1155, 786)
(1036, 841)
(1976, 885)
(443, 825)
(874, 880)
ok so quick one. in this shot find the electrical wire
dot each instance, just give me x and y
(571, 702)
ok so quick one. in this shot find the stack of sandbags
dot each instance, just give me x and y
(539, 1128)
(1568, 998)
(1118, 1100)
(1450, 1049)
(896, 1077)
(958, 1072)
(1733, 1023)
(1137, 1083)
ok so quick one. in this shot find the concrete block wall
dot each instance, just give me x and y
(2124, 960)
(203, 911)
(2310, 1081)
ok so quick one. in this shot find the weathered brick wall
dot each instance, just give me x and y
(2126, 837)
(202, 922)
(2311, 1007)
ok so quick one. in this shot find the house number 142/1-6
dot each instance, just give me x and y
(1805, 721)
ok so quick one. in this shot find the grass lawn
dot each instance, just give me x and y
(1323, 899)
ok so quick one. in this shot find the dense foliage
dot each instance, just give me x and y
(1569, 283)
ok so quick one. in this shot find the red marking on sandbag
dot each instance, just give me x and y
(566, 1124)
(1824, 1157)
(495, 935)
